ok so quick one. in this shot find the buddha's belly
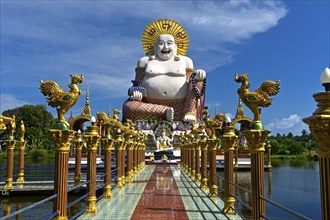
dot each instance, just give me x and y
(165, 87)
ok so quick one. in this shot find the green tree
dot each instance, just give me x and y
(296, 148)
(37, 121)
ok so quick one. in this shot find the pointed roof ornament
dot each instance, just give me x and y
(240, 110)
(109, 111)
(70, 119)
(87, 109)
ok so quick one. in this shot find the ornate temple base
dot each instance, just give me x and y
(159, 155)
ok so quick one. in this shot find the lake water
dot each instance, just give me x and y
(291, 183)
(295, 185)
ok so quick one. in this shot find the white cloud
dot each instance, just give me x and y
(102, 39)
(10, 102)
(293, 124)
(285, 123)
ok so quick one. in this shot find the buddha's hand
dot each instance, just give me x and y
(136, 96)
(200, 75)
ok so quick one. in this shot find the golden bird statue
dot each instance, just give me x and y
(258, 98)
(214, 125)
(61, 100)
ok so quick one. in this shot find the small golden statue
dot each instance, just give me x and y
(258, 98)
(12, 127)
(22, 131)
(115, 114)
(164, 157)
(61, 100)
(213, 126)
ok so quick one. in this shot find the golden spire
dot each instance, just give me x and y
(109, 111)
(87, 109)
(240, 110)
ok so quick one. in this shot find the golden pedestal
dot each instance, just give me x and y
(91, 201)
(213, 169)
(10, 164)
(92, 139)
(61, 139)
(229, 140)
(197, 177)
(107, 147)
(256, 143)
(204, 152)
(120, 166)
(20, 178)
(78, 151)
(319, 125)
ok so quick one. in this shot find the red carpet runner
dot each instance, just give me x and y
(161, 198)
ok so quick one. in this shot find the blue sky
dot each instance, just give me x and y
(270, 40)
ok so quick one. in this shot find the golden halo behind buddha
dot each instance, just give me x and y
(164, 26)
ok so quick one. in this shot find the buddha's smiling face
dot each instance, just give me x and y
(165, 47)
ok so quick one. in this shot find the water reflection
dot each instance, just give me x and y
(291, 183)
(269, 175)
(12, 204)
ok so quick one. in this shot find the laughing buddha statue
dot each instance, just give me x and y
(166, 86)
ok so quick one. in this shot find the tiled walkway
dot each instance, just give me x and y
(159, 192)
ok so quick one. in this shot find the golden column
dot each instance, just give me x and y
(204, 148)
(229, 140)
(61, 136)
(256, 143)
(22, 143)
(144, 146)
(192, 155)
(139, 159)
(10, 164)
(123, 161)
(186, 156)
(92, 139)
(212, 144)
(269, 155)
(141, 151)
(197, 161)
(319, 125)
(256, 136)
(188, 153)
(130, 172)
(236, 156)
(10, 154)
(141, 154)
(135, 156)
(78, 143)
(119, 151)
(20, 178)
(186, 144)
(61, 139)
(182, 154)
(107, 147)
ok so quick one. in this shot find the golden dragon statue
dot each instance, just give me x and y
(258, 98)
(61, 100)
